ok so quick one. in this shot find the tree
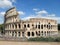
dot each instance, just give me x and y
(1, 28)
(58, 26)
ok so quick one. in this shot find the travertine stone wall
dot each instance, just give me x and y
(34, 27)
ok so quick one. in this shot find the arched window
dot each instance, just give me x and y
(38, 26)
(41, 26)
(28, 25)
(45, 33)
(19, 25)
(32, 33)
(51, 26)
(12, 33)
(24, 25)
(41, 31)
(28, 33)
(45, 25)
(19, 33)
(36, 32)
(15, 25)
(32, 24)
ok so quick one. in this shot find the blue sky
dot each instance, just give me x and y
(32, 8)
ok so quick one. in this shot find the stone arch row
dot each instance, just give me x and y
(38, 33)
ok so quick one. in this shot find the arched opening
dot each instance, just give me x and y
(38, 26)
(19, 25)
(18, 33)
(39, 33)
(51, 26)
(33, 26)
(32, 33)
(15, 25)
(13, 33)
(28, 25)
(45, 25)
(41, 26)
(28, 33)
(45, 33)
(23, 34)
(42, 33)
(24, 25)
(36, 32)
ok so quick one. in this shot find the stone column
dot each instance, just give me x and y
(17, 34)
(11, 26)
(11, 33)
(30, 34)
(14, 26)
(21, 34)
(34, 34)
(46, 33)
(14, 33)
(17, 26)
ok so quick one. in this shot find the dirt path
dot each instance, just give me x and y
(28, 43)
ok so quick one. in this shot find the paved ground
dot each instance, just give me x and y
(28, 43)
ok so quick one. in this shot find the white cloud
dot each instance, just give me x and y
(28, 17)
(2, 17)
(21, 12)
(39, 14)
(51, 15)
(6, 3)
(2, 13)
(35, 9)
(42, 12)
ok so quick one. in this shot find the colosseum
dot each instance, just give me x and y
(33, 27)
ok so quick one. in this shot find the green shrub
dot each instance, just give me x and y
(57, 39)
(49, 39)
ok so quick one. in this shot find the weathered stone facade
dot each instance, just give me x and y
(34, 27)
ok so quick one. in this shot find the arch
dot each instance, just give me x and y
(18, 33)
(41, 31)
(42, 26)
(32, 33)
(12, 25)
(15, 25)
(24, 25)
(28, 33)
(19, 25)
(38, 26)
(45, 33)
(28, 25)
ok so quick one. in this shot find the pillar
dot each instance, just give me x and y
(17, 26)
(21, 34)
(14, 26)
(11, 26)
(35, 34)
(17, 34)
